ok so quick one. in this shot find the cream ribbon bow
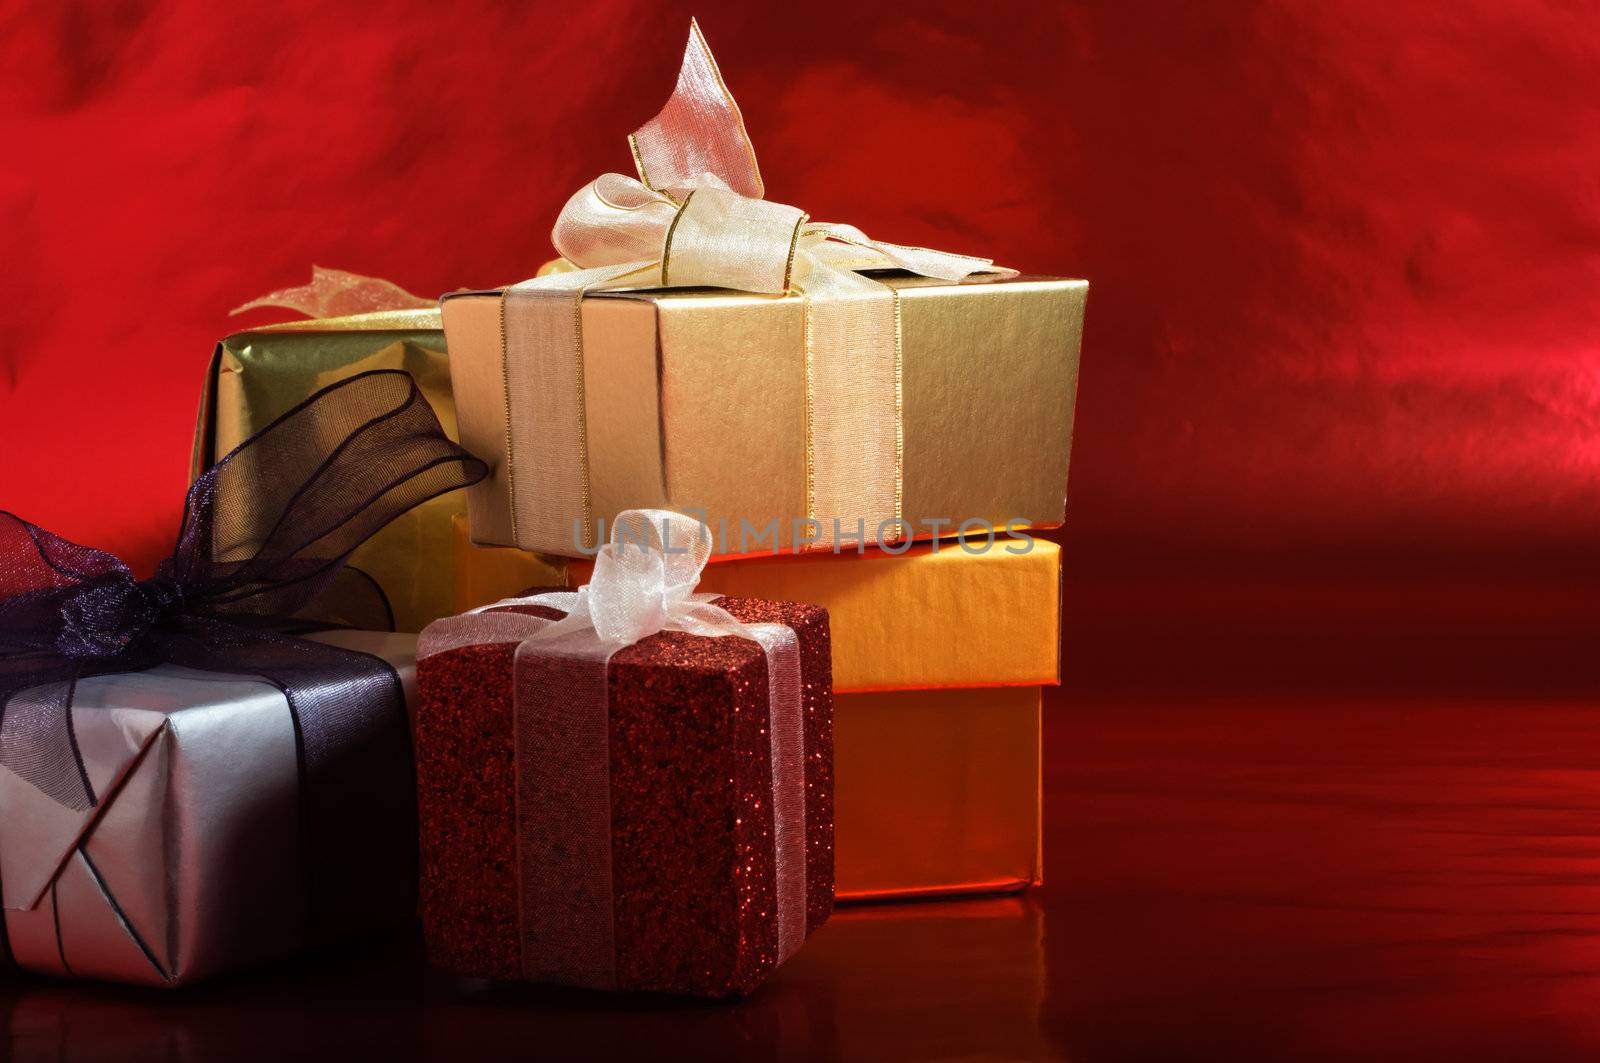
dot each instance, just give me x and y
(643, 582)
(695, 217)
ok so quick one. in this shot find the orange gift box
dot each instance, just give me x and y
(939, 654)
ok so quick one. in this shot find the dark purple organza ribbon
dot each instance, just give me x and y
(259, 557)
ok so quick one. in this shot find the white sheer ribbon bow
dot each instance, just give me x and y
(644, 582)
(695, 217)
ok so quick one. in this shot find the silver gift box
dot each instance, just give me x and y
(191, 864)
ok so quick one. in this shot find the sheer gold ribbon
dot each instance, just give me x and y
(695, 217)
(337, 293)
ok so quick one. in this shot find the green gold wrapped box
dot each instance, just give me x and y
(256, 376)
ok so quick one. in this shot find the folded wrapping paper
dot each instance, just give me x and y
(933, 615)
(192, 864)
(358, 324)
(102, 761)
(630, 786)
(804, 395)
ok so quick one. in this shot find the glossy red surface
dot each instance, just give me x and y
(1322, 784)
(1348, 878)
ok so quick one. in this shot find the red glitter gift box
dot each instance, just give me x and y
(706, 889)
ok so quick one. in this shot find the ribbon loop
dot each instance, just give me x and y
(102, 617)
(644, 579)
(613, 220)
(721, 239)
(643, 582)
(627, 598)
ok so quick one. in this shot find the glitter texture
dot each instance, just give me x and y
(694, 896)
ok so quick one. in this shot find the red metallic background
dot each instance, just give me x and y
(1322, 780)
(1343, 324)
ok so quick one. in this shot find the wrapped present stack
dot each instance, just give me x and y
(720, 534)
(872, 428)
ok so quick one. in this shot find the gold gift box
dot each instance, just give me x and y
(695, 400)
(939, 655)
(256, 376)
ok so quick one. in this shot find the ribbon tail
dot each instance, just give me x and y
(847, 247)
(941, 265)
(40, 828)
(336, 293)
(699, 131)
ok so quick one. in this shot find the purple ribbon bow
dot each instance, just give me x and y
(259, 557)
